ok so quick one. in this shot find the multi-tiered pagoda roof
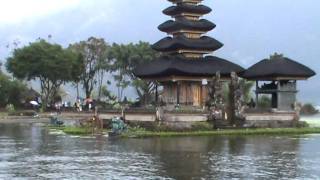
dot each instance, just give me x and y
(199, 67)
(185, 50)
(187, 25)
(186, 8)
(181, 43)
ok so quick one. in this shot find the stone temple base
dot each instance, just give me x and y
(271, 120)
(186, 120)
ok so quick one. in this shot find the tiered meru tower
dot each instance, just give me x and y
(187, 31)
(185, 67)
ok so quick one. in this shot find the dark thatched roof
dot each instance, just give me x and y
(278, 67)
(187, 8)
(180, 66)
(205, 43)
(185, 24)
(180, 1)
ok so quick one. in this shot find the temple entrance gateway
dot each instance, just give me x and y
(196, 89)
(184, 93)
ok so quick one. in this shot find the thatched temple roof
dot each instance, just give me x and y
(278, 67)
(181, 42)
(186, 49)
(187, 8)
(181, 66)
(184, 24)
(185, 1)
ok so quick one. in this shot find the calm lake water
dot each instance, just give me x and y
(32, 152)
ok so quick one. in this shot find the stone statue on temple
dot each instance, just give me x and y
(236, 99)
(216, 104)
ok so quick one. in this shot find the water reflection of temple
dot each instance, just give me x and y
(220, 157)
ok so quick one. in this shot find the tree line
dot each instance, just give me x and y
(84, 64)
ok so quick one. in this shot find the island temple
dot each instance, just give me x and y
(187, 68)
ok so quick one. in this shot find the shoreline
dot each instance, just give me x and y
(27, 120)
(141, 133)
(225, 132)
(43, 118)
(208, 133)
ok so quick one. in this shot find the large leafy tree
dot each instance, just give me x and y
(11, 91)
(49, 63)
(126, 59)
(95, 62)
(120, 55)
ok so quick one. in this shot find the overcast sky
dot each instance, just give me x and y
(250, 29)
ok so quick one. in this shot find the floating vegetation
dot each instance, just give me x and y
(78, 131)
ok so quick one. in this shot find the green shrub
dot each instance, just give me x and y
(76, 131)
(11, 91)
(302, 124)
(309, 109)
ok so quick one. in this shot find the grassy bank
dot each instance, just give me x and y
(77, 131)
(240, 132)
(73, 130)
(197, 130)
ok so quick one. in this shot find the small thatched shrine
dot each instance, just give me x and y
(278, 76)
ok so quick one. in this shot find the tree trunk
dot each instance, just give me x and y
(77, 90)
(100, 85)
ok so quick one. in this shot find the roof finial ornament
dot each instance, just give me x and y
(276, 56)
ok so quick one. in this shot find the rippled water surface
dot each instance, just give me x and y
(32, 152)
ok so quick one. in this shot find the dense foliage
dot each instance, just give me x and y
(308, 109)
(125, 59)
(11, 91)
(95, 53)
(49, 63)
(84, 63)
(87, 63)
